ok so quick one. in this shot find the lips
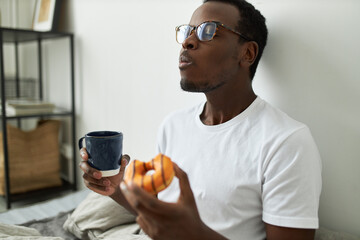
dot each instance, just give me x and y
(185, 60)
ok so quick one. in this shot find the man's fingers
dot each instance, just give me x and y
(144, 225)
(85, 167)
(124, 162)
(92, 172)
(126, 157)
(83, 154)
(142, 200)
(103, 182)
(98, 189)
(94, 186)
(185, 188)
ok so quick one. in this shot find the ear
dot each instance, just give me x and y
(249, 53)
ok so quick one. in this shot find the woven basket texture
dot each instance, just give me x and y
(33, 158)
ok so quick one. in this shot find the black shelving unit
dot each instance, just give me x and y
(17, 37)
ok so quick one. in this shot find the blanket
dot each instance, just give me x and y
(52, 226)
(96, 217)
(125, 232)
(99, 217)
(13, 232)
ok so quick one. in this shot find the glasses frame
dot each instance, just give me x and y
(195, 28)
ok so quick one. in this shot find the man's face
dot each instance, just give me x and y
(206, 66)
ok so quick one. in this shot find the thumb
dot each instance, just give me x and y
(186, 193)
(124, 161)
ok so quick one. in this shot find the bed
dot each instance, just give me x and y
(78, 215)
(87, 215)
(45, 217)
(46, 209)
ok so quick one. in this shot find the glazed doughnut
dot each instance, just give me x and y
(153, 183)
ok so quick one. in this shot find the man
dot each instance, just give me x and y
(244, 169)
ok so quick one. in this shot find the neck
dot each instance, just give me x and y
(221, 106)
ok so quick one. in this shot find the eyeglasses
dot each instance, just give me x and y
(204, 31)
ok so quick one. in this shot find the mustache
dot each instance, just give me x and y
(185, 57)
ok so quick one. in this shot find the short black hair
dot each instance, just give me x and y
(252, 25)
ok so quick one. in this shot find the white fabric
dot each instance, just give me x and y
(13, 232)
(259, 166)
(98, 214)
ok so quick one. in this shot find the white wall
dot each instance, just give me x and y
(311, 70)
(127, 67)
(127, 79)
(14, 14)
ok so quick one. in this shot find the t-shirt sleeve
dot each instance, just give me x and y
(292, 182)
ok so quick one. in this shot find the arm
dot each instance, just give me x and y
(161, 220)
(120, 199)
(291, 188)
(283, 233)
(107, 186)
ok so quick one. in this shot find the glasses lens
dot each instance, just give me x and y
(182, 33)
(206, 31)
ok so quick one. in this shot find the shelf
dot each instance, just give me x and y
(12, 35)
(57, 112)
(43, 193)
(16, 36)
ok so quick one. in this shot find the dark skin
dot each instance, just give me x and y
(215, 63)
(220, 69)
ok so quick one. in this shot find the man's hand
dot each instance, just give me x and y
(94, 181)
(161, 220)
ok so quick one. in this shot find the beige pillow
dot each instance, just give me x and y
(97, 214)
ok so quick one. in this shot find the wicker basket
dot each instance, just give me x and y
(33, 158)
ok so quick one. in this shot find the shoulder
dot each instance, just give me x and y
(290, 160)
(279, 134)
(276, 122)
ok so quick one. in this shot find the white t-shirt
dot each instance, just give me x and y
(259, 166)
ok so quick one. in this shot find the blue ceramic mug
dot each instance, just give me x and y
(105, 151)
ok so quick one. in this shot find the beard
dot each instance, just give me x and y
(190, 86)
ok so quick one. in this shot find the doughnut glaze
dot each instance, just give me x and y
(153, 183)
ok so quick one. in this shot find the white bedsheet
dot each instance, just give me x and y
(44, 209)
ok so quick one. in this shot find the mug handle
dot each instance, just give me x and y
(81, 143)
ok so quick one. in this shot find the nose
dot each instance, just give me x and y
(191, 42)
